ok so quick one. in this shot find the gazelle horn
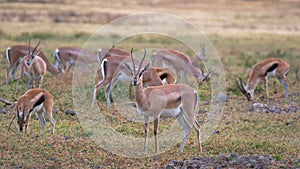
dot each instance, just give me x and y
(132, 60)
(142, 60)
(36, 47)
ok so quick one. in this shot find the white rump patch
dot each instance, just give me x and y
(7, 54)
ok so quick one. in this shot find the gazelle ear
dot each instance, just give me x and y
(129, 68)
(144, 69)
(37, 100)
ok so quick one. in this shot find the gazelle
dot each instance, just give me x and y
(14, 55)
(169, 101)
(178, 60)
(114, 71)
(37, 101)
(199, 57)
(67, 56)
(106, 52)
(33, 66)
(268, 68)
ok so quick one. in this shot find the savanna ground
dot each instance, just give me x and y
(243, 32)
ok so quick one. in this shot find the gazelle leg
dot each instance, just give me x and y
(155, 133)
(146, 132)
(28, 83)
(197, 128)
(41, 81)
(7, 74)
(97, 88)
(286, 86)
(266, 86)
(10, 122)
(14, 70)
(71, 63)
(48, 115)
(107, 94)
(42, 120)
(187, 130)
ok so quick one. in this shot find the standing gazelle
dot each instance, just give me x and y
(37, 101)
(268, 68)
(169, 101)
(33, 66)
(14, 55)
(113, 71)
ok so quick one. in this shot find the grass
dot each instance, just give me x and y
(240, 131)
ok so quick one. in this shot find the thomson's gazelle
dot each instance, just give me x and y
(268, 68)
(37, 101)
(33, 66)
(168, 101)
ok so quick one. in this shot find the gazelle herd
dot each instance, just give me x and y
(157, 93)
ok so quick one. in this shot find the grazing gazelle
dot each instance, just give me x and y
(268, 68)
(168, 101)
(114, 71)
(37, 101)
(106, 52)
(177, 60)
(67, 56)
(14, 55)
(33, 66)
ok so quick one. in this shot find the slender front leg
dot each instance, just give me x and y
(28, 82)
(12, 119)
(266, 86)
(41, 81)
(155, 134)
(107, 94)
(97, 88)
(146, 132)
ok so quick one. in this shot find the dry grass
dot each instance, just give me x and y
(243, 33)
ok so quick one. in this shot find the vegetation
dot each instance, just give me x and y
(240, 131)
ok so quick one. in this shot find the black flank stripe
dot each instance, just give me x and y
(163, 76)
(104, 68)
(178, 99)
(274, 66)
(40, 101)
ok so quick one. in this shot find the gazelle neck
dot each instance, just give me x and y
(139, 94)
(252, 82)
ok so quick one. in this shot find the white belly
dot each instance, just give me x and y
(38, 108)
(170, 113)
(272, 74)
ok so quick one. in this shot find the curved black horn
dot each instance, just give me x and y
(239, 86)
(142, 60)
(29, 46)
(132, 60)
(242, 84)
(36, 47)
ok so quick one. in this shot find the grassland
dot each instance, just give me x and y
(242, 32)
